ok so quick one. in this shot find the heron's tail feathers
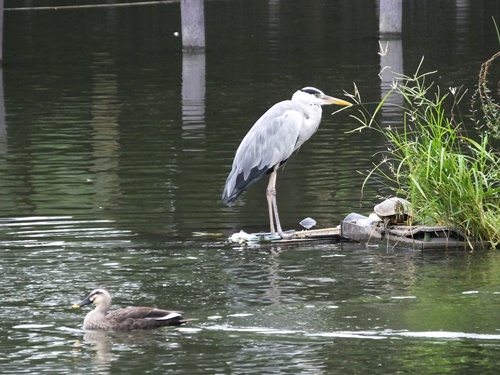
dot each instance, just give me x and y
(229, 199)
(237, 183)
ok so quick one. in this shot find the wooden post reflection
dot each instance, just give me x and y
(391, 56)
(193, 94)
(193, 68)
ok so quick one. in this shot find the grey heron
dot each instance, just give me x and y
(271, 141)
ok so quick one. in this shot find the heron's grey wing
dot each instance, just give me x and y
(268, 144)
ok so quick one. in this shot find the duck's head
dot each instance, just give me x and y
(96, 297)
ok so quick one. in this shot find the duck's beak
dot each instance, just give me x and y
(331, 100)
(85, 302)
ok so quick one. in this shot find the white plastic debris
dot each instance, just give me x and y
(242, 237)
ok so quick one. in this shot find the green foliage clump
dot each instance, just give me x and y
(450, 178)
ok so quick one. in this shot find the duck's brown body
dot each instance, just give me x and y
(131, 318)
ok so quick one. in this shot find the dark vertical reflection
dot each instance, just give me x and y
(3, 125)
(462, 24)
(105, 111)
(274, 20)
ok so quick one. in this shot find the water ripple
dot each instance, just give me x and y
(59, 231)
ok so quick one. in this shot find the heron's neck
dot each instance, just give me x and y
(311, 123)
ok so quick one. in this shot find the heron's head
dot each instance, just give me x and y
(311, 95)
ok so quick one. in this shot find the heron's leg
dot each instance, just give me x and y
(273, 205)
(277, 218)
(271, 195)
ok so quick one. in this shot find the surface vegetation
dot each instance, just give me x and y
(451, 176)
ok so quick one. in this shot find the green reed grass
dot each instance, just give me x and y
(450, 178)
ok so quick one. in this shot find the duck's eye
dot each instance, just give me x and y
(94, 296)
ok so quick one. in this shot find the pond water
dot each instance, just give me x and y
(114, 148)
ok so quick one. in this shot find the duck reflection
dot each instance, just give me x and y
(101, 345)
(104, 345)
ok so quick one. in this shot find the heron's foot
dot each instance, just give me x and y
(285, 236)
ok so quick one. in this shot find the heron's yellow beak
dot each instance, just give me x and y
(331, 100)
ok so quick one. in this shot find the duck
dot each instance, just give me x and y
(127, 319)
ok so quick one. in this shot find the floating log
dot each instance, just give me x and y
(326, 234)
(418, 237)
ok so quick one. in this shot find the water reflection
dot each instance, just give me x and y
(101, 348)
(391, 61)
(3, 125)
(263, 308)
(193, 98)
(274, 20)
(105, 111)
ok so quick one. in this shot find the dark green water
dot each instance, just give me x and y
(114, 149)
